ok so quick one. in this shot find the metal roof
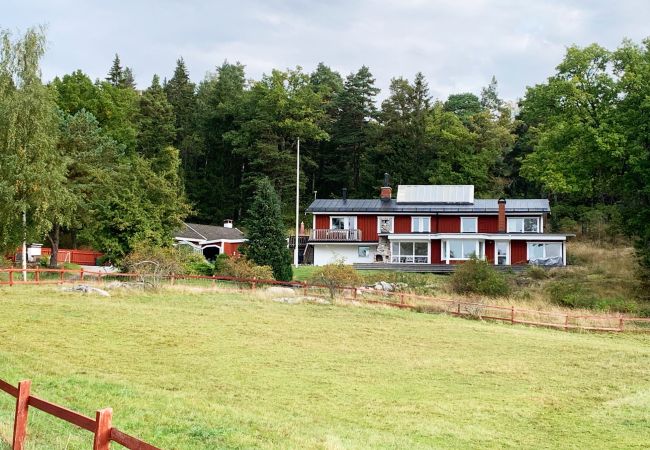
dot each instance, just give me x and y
(439, 193)
(487, 206)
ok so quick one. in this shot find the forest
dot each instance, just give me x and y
(108, 163)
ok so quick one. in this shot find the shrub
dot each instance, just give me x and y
(219, 263)
(537, 273)
(479, 277)
(243, 267)
(336, 275)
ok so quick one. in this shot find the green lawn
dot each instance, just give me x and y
(205, 371)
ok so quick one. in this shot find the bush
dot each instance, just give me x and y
(336, 275)
(576, 295)
(479, 277)
(219, 263)
(537, 273)
(243, 267)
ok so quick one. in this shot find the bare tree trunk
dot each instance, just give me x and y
(54, 236)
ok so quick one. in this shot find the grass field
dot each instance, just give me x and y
(189, 370)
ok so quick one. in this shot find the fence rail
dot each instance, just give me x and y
(403, 300)
(100, 426)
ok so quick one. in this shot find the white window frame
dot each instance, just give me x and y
(496, 252)
(351, 222)
(510, 227)
(479, 249)
(398, 256)
(475, 219)
(392, 224)
(544, 244)
(367, 251)
(422, 220)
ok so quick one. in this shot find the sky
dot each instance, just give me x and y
(457, 44)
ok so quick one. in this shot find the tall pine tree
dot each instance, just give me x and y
(156, 121)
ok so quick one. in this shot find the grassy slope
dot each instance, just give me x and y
(192, 371)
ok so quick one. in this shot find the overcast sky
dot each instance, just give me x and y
(457, 44)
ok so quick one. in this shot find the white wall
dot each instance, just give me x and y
(329, 253)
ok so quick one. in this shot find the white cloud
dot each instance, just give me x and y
(457, 44)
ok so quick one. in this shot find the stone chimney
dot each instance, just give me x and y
(502, 215)
(302, 229)
(386, 191)
(227, 223)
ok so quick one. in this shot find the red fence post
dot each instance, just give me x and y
(566, 323)
(11, 277)
(81, 274)
(102, 441)
(304, 289)
(61, 275)
(37, 275)
(512, 314)
(620, 323)
(20, 420)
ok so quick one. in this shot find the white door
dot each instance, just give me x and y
(502, 253)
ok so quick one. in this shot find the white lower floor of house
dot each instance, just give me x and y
(450, 249)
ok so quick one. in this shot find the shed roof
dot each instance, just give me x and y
(202, 232)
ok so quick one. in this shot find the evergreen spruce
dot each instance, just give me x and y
(267, 245)
(115, 74)
(127, 80)
(181, 95)
(156, 121)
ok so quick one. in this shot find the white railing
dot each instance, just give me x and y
(335, 235)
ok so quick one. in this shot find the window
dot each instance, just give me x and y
(469, 224)
(410, 252)
(420, 224)
(541, 250)
(523, 225)
(463, 249)
(364, 252)
(385, 224)
(343, 223)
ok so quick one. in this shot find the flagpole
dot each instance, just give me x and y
(295, 243)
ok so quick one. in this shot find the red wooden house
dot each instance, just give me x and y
(433, 225)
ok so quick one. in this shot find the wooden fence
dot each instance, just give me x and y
(104, 432)
(403, 300)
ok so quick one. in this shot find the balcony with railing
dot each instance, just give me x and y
(335, 235)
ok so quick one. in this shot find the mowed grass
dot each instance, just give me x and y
(187, 370)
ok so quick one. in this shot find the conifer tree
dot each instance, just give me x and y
(181, 95)
(156, 121)
(267, 245)
(116, 73)
(127, 80)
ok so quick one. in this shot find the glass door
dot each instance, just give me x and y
(501, 249)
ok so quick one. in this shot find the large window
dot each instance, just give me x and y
(468, 224)
(385, 224)
(410, 252)
(462, 249)
(420, 224)
(343, 223)
(523, 225)
(541, 250)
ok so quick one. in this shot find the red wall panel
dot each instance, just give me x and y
(322, 222)
(449, 224)
(368, 227)
(402, 224)
(489, 249)
(231, 248)
(435, 252)
(518, 250)
(488, 224)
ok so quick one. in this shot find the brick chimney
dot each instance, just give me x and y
(386, 191)
(502, 215)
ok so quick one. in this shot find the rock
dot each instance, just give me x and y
(400, 286)
(87, 290)
(384, 286)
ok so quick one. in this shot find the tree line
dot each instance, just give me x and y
(108, 164)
